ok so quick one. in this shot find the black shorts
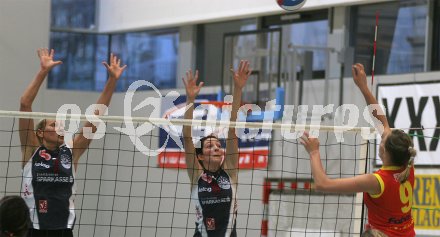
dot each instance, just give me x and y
(50, 233)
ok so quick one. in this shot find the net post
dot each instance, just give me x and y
(265, 220)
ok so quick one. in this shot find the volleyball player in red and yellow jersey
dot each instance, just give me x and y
(387, 192)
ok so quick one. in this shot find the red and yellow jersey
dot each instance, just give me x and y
(390, 210)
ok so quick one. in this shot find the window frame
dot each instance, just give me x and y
(435, 36)
(354, 12)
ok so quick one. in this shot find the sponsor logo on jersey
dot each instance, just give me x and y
(65, 161)
(42, 206)
(26, 192)
(207, 178)
(394, 220)
(210, 223)
(44, 154)
(41, 164)
(224, 183)
(205, 189)
(216, 201)
(56, 179)
(215, 188)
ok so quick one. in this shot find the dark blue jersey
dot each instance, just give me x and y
(216, 207)
(48, 188)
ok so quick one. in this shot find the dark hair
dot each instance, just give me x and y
(399, 146)
(199, 151)
(14, 216)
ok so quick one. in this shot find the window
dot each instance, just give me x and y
(210, 47)
(82, 55)
(305, 37)
(151, 56)
(401, 36)
(73, 14)
(310, 34)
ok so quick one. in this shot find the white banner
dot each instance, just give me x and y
(414, 106)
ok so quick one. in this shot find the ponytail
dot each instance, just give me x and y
(403, 176)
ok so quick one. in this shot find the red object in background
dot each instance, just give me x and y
(247, 159)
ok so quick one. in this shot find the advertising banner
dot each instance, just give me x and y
(415, 108)
(426, 204)
(253, 145)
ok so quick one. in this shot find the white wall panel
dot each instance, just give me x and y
(120, 15)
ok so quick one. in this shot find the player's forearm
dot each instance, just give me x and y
(236, 103)
(104, 99)
(318, 172)
(234, 111)
(107, 93)
(188, 115)
(189, 108)
(371, 100)
(31, 91)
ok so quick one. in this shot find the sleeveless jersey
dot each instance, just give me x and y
(216, 206)
(48, 188)
(390, 210)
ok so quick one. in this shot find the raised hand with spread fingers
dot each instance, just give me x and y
(242, 74)
(114, 69)
(46, 59)
(191, 87)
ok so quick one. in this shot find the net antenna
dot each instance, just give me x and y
(374, 49)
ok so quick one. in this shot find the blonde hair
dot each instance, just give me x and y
(40, 126)
(373, 233)
(403, 176)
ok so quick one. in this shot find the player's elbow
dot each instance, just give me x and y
(25, 104)
(318, 187)
(322, 185)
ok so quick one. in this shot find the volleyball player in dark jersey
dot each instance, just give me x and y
(211, 169)
(49, 165)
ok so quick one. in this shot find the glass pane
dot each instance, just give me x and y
(73, 13)
(210, 47)
(408, 47)
(312, 34)
(401, 36)
(82, 55)
(150, 56)
(261, 49)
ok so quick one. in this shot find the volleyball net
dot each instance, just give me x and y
(135, 183)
